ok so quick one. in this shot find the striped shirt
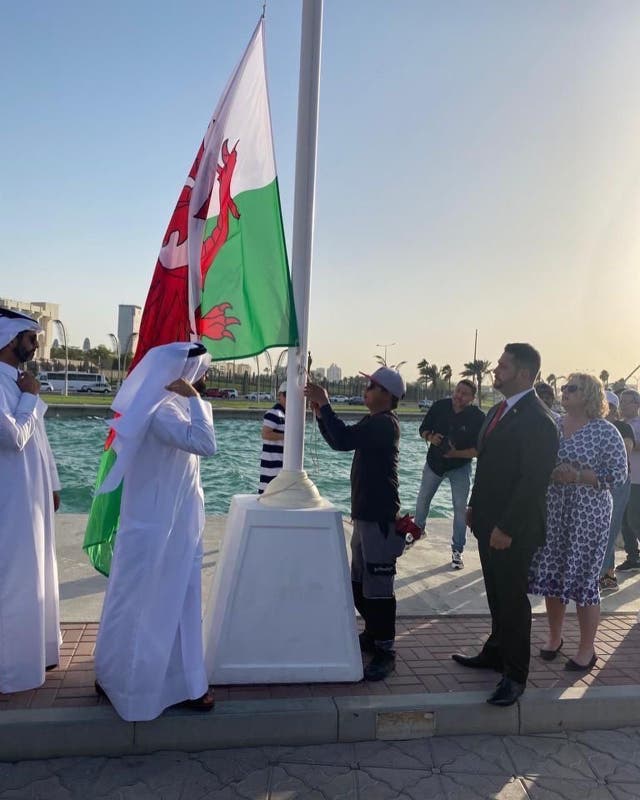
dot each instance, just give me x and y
(272, 452)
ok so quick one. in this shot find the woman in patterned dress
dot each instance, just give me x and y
(592, 460)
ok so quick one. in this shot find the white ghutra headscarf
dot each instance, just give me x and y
(12, 323)
(142, 393)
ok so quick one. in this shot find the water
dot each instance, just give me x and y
(77, 444)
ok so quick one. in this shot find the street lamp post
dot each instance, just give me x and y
(116, 343)
(272, 387)
(128, 350)
(389, 344)
(66, 355)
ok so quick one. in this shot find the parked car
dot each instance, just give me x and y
(211, 392)
(95, 388)
(356, 401)
(424, 404)
(261, 396)
(229, 394)
(339, 398)
(46, 387)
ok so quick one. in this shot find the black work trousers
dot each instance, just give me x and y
(506, 578)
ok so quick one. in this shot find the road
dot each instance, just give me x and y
(589, 765)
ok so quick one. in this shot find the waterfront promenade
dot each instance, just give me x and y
(440, 612)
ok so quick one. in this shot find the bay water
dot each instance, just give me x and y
(77, 444)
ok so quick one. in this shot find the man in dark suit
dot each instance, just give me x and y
(517, 449)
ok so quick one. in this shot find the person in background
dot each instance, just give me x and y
(591, 466)
(629, 409)
(548, 396)
(620, 496)
(273, 439)
(450, 427)
(29, 495)
(375, 504)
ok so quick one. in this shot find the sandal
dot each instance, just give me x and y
(204, 703)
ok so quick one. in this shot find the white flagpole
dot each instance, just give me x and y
(291, 488)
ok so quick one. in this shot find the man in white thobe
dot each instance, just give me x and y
(149, 647)
(29, 606)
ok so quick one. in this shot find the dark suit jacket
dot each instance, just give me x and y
(514, 464)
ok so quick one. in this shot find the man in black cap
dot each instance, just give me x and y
(375, 504)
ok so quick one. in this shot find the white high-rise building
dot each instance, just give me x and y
(319, 372)
(334, 373)
(44, 314)
(128, 324)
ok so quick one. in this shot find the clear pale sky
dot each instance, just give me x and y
(478, 166)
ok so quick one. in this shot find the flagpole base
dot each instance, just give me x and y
(280, 609)
(292, 489)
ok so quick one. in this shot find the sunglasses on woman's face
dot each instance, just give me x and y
(570, 388)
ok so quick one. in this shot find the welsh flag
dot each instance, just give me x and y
(222, 274)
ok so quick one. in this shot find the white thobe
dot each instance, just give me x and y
(149, 647)
(29, 606)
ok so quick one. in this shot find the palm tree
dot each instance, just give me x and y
(477, 370)
(383, 363)
(445, 373)
(604, 377)
(423, 366)
(432, 375)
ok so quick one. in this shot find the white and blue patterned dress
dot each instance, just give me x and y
(578, 516)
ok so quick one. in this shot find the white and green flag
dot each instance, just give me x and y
(222, 274)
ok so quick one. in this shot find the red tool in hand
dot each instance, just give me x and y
(405, 526)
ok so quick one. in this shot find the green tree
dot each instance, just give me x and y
(423, 367)
(432, 374)
(553, 381)
(476, 370)
(383, 363)
(446, 373)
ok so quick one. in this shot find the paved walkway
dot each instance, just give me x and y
(588, 765)
(425, 585)
(424, 647)
(440, 612)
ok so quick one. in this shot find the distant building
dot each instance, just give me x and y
(319, 373)
(334, 373)
(44, 313)
(243, 369)
(128, 324)
(86, 345)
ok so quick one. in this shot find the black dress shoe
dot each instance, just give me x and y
(367, 642)
(506, 693)
(381, 665)
(549, 655)
(573, 666)
(476, 662)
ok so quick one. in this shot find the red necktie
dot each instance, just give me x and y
(496, 418)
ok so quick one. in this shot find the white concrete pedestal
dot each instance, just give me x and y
(280, 609)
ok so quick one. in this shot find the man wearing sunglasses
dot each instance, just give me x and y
(517, 449)
(375, 504)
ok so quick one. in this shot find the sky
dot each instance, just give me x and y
(478, 166)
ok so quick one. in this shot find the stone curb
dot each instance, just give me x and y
(98, 731)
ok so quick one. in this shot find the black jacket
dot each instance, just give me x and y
(512, 474)
(374, 471)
